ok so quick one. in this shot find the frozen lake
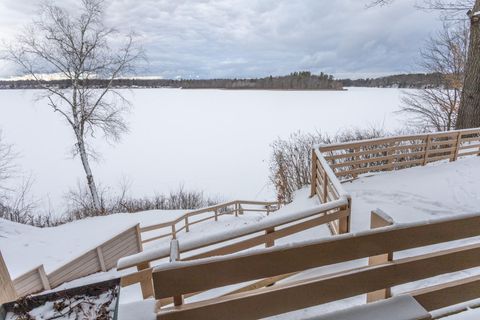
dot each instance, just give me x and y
(212, 140)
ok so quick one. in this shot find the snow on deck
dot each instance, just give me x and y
(415, 194)
(421, 193)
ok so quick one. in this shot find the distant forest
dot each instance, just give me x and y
(412, 80)
(304, 80)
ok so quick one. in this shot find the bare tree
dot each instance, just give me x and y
(469, 108)
(7, 166)
(79, 49)
(445, 55)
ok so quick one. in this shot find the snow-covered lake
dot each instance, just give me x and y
(212, 140)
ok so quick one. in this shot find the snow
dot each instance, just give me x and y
(187, 136)
(25, 247)
(422, 193)
(401, 307)
(439, 191)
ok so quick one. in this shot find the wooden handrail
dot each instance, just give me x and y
(270, 206)
(187, 277)
(330, 211)
(350, 159)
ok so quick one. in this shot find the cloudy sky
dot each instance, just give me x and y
(252, 38)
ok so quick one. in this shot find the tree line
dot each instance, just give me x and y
(304, 80)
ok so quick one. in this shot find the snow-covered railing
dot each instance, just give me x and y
(184, 278)
(237, 207)
(327, 187)
(264, 233)
(350, 159)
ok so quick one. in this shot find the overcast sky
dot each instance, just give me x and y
(254, 38)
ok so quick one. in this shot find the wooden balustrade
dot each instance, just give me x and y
(184, 278)
(264, 233)
(350, 159)
(186, 221)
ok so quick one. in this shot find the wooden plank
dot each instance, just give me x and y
(175, 256)
(362, 170)
(377, 151)
(101, 260)
(138, 234)
(156, 238)
(379, 219)
(263, 238)
(448, 294)
(468, 153)
(7, 289)
(43, 277)
(303, 294)
(251, 266)
(269, 242)
(427, 147)
(457, 146)
(314, 173)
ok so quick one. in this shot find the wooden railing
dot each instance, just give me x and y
(183, 223)
(101, 258)
(327, 187)
(183, 278)
(262, 233)
(350, 159)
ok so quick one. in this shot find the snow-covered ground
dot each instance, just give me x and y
(187, 136)
(422, 193)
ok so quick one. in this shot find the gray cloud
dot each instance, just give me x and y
(248, 38)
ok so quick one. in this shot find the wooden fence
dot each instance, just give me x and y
(350, 159)
(237, 207)
(102, 258)
(263, 233)
(184, 278)
(327, 187)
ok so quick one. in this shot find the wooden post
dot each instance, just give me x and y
(325, 186)
(43, 277)
(379, 219)
(427, 146)
(216, 214)
(356, 158)
(174, 256)
(187, 229)
(269, 242)
(236, 209)
(7, 289)
(139, 238)
(240, 209)
(390, 153)
(457, 146)
(268, 210)
(101, 260)
(344, 223)
(313, 183)
(174, 232)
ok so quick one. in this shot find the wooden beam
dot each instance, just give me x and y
(379, 219)
(212, 273)
(272, 236)
(101, 260)
(7, 290)
(448, 294)
(303, 294)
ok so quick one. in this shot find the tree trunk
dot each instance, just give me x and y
(88, 171)
(469, 110)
